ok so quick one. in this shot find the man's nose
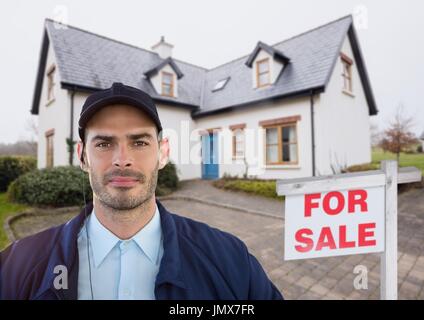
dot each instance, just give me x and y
(123, 157)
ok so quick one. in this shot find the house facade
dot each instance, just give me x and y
(298, 108)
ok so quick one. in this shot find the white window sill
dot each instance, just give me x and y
(50, 102)
(350, 94)
(281, 166)
(238, 158)
(263, 87)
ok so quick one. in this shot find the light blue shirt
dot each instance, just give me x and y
(120, 269)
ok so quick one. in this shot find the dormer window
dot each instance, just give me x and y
(262, 73)
(164, 77)
(267, 65)
(167, 84)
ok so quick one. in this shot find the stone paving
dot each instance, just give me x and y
(322, 278)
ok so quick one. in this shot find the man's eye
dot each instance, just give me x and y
(103, 144)
(141, 143)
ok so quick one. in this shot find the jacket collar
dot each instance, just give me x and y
(65, 253)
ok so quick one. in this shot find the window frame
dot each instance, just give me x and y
(49, 147)
(234, 137)
(280, 143)
(171, 85)
(50, 83)
(258, 74)
(347, 64)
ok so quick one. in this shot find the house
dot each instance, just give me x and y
(297, 108)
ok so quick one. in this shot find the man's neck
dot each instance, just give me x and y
(125, 223)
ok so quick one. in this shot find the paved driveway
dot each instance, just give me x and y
(261, 228)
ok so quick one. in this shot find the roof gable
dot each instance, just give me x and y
(162, 64)
(275, 53)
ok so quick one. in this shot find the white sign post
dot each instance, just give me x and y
(351, 213)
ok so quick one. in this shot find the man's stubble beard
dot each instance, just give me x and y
(123, 200)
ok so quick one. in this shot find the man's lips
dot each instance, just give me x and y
(123, 181)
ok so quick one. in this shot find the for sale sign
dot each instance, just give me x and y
(334, 223)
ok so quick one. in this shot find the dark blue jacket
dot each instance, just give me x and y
(199, 262)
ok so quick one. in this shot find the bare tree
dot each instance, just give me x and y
(397, 137)
(31, 127)
(376, 135)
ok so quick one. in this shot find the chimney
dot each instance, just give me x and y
(162, 48)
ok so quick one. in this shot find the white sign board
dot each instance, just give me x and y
(334, 223)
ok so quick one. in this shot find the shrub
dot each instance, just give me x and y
(167, 179)
(62, 186)
(266, 188)
(11, 167)
(362, 167)
(58, 187)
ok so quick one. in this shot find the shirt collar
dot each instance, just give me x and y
(103, 241)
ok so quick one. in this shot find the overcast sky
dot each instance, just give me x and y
(209, 33)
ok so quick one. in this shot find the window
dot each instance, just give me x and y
(281, 144)
(347, 72)
(167, 84)
(50, 83)
(220, 84)
(238, 143)
(49, 148)
(262, 72)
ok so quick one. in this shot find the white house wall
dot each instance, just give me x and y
(342, 122)
(53, 116)
(255, 157)
(178, 127)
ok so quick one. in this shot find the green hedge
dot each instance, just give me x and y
(167, 180)
(11, 167)
(62, 186)
(58, 187)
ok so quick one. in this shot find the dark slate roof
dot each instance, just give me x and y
(422, 136)
(276, 54)
(88, 61)
(158, 67)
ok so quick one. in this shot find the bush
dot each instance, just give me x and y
(420, 148)
(62, 186)
(11, 167)
(58, 187)
(167, 179)
(266, 188)
(362, 167)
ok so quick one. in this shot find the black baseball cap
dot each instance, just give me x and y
(117, 93)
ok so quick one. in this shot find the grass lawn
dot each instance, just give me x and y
(405, 160)
(7, 209)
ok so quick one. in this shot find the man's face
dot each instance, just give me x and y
(123, 156)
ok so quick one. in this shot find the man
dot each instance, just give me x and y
(125, 244)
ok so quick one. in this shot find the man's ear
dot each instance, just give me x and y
(81, 154)
(163, 152)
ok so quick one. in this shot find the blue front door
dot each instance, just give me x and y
(210, 156)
